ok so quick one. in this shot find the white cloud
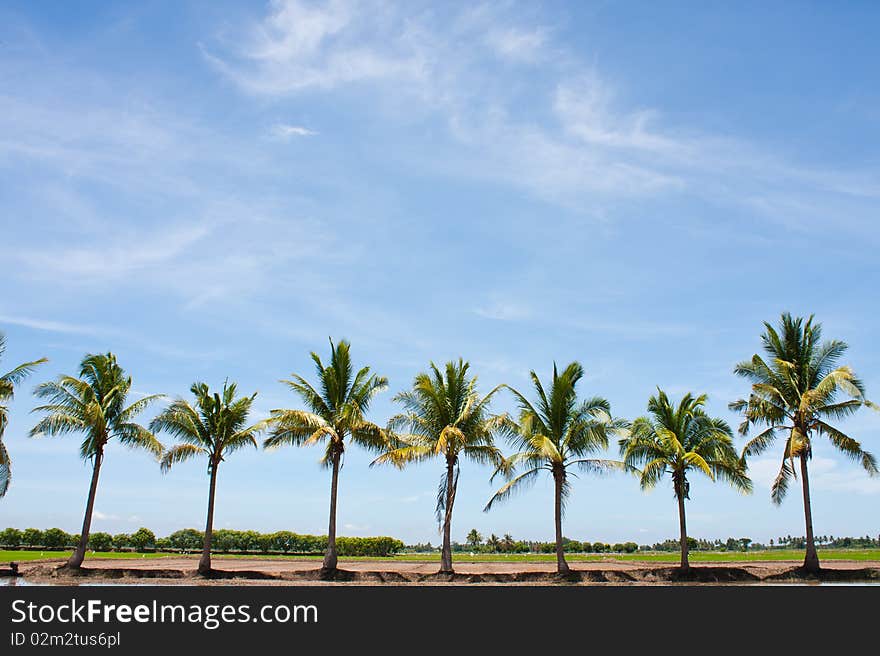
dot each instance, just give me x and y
(283, 131)
(517, 44)
(300, 46)
(585, 109)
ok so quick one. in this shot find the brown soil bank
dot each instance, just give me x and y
(181, 571)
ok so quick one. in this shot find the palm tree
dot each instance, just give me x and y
(677, 439)
(216, 426)
(445, 416)
(474, 539)
(334, 414)
(8, 381)
(797, 393)
(554, 435)
(94, 404)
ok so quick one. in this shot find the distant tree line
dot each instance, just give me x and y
(475, 543)
(190, 539)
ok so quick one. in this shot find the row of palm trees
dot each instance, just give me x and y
(795, 390)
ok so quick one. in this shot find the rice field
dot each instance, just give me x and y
(650, 557)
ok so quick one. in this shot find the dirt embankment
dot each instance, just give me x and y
(181, 571)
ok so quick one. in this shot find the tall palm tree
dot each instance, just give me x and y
(215, 427)
(555, 435)
(334, 414)
(797, 392)
(8, 381)
(444, 415)
(94, 404)
(677, 439)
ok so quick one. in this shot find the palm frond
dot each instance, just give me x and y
(512, 486)
(180, 453)
(136, 436)
(849, 447)
(5, 469)
(21, 372)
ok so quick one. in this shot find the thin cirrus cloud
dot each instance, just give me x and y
(285, 132)
(50, 326)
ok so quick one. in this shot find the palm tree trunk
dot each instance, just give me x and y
(76, 559)
(330, 558)
(811, 559)
(446, 553)
(683, 534)
(559, 480)
(205, 560)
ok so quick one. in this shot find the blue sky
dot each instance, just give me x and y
(211, 189)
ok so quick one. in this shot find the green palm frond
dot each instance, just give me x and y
(137, 437)
(798, 388)
(335, 408)
(297, 428)
(180, 453)
(779, 488)
(94, 404)
(652, 473)
(5, 469)
(676, 438)
(404, 455)
(556, 430)
(214, 426)
(22, 371)
(444, 415)
(849, 447)
(513, 485)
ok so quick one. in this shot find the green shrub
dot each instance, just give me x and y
(187, 539)
(121, 540)
(143, 538)
(54, 538)
(32, 537)
(378, 546)
(100, 541)
(10, 537)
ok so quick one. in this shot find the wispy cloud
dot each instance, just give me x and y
(593, 154)
(518, 44)
(51, 326)
(285, 132)
(299, 46)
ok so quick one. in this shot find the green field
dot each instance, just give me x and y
(652, 557)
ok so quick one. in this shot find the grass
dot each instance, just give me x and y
(650, 557)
